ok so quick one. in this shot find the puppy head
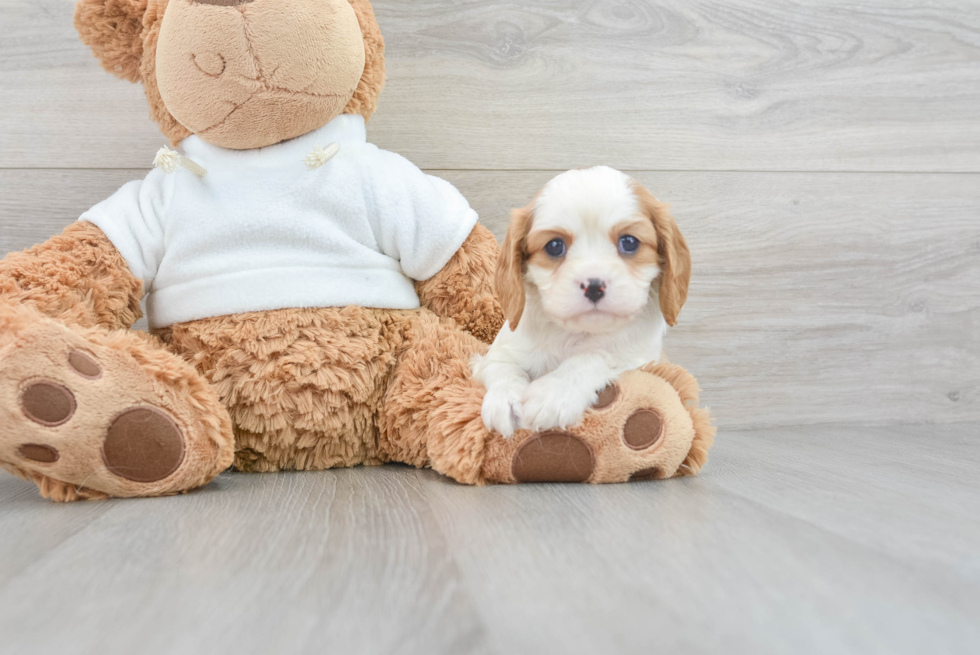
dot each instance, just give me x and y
(595, 246)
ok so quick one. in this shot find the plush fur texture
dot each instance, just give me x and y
(463, 289)
(432, 406)
(114, 30)
(303, 386)
(77, 277)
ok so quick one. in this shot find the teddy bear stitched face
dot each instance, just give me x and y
(250, 73)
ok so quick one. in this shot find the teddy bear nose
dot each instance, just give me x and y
(222, 3)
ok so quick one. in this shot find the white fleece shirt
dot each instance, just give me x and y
(261, 231)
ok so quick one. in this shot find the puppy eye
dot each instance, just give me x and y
(628, 244)
(555, 248)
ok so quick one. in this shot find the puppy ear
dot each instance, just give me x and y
(675, 258)
(113, 29)
(510, 266)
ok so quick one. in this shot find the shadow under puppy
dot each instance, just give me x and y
(590, 275)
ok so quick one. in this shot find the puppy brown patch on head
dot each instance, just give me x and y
(510, 267)
(672, 252)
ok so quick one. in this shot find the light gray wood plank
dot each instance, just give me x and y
(641, 84)
(347, 561)
(688, 567)
(909, 492)
(29, 529)
(773, 549)
(816, 299)
(35, 204)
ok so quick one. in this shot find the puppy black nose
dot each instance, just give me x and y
(594, 290)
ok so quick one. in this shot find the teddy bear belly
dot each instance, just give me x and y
(304, 387)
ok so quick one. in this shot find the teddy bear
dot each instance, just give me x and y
(313, 301)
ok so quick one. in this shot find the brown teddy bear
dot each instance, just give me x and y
(314, 301)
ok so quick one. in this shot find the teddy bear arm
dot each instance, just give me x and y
(464, 289)
(77, 277)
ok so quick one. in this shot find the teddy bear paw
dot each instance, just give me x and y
(85, 419)
(638, 430)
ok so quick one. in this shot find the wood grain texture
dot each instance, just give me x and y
(702, 566)
(825, 298)
(872, 85)
(345, 562)
(806, 540)
(917, 485)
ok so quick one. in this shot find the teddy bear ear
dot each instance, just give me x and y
(113, 29)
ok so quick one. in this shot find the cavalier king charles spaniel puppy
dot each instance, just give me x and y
(590, 275)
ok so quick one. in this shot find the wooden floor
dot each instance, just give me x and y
(806, 540)
(823, 160)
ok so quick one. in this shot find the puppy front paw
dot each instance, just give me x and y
(501, 411)
(553, 402)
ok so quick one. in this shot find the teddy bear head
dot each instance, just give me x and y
(241, 73)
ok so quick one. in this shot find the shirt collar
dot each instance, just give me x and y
(345, 129)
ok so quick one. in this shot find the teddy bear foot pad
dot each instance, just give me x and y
(639, 430)
(84, 419)
(142, 444)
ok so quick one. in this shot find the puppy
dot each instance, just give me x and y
(590, 275)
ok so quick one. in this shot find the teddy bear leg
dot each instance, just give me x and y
(86, 413)
(645, 426)
(304, 388)
(431, 412)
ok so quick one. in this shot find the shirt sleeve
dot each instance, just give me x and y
(421, 220)
(133, 220)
